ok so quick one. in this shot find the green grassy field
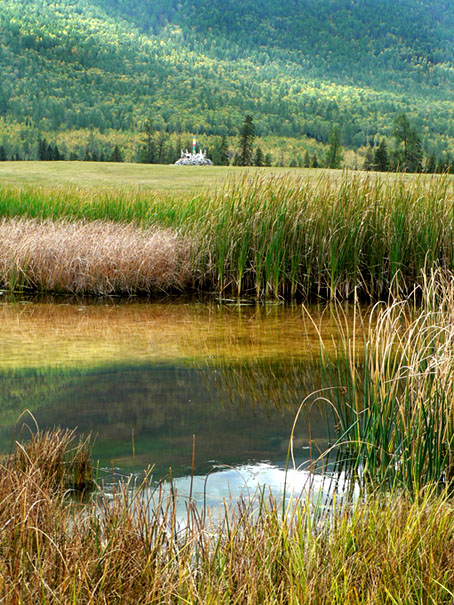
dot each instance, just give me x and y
(118, 175)
(167, 179)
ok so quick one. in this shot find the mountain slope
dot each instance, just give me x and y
(199, 65)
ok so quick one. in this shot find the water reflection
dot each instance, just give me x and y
(145, 378)
(148, 414)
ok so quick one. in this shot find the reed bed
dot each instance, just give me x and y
(96, 257)
(126, 546)
(393, 398)
(282, 236)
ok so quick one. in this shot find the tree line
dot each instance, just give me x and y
(156, 147)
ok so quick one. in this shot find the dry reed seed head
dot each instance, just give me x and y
(94, 257)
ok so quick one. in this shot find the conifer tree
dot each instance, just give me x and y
(148, 150)
(268, 162)
(259, 158)
(369, 160)
(307, 160)
(116, 156)
(431, 164)
(408, 154)
(43, 150)
(3, 156)
(247, 136)
(334, 155)
(220, 155)
(381, 158)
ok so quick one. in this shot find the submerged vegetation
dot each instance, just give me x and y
(257, 237)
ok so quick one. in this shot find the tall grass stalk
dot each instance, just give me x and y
(394, 410)
(282, 236)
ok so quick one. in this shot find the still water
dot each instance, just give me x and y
(148, 380)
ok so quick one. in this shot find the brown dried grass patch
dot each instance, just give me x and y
(96, 257)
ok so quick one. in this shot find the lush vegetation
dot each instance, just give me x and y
(127, 547)
(394, 408)
(279, 237)
(106, 68)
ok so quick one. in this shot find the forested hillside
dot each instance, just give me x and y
(299, 67)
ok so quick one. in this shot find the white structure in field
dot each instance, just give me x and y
(193, 159)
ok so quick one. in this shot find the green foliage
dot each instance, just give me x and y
(381, 158)
(247, 136)
(408, 156)
(220, 155)
(334, 154)
(283, 237)
(259, 158)
(394, 413)
(369, 159)
(200, 66)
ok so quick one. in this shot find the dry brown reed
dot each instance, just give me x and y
(97, 257)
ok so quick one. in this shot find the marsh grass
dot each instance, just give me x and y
(127, 547)
(392, 399)
(98, 257)
(281, 236)
(57, 459)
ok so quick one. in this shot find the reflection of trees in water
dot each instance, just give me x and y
(265, 385)
(30, 389)
(237, 411)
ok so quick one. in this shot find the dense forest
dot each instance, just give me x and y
(103, 69)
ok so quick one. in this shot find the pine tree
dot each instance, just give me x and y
(161, 151)
(220, 155)
(3, 156)
(43, 153)
(409, 151)
(334, 155)
(369, 160)
(381, 158)
(259, 158)
(116, 156)
(314, 162)
(431, 164)
(414, 157)
(247, 136)
(307, 160)
(148, 150)
(268, 161)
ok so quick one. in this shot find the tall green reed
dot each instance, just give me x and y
(393, 401)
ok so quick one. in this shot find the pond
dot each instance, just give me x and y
(150, 381)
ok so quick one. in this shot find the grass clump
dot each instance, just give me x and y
(55, 459)
(393, 398)
(96, 257)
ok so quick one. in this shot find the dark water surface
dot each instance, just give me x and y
(144, 378)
